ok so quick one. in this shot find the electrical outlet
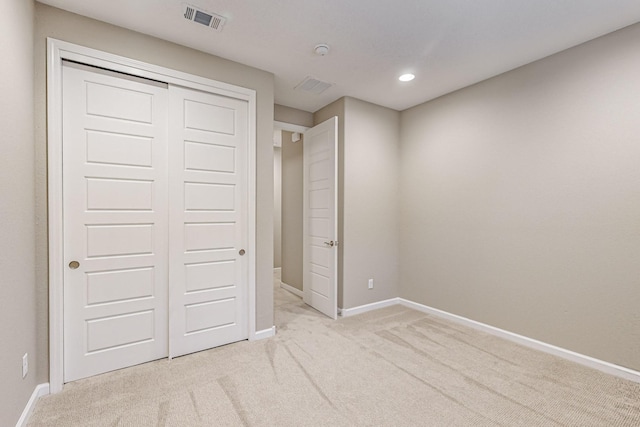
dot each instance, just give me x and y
(25, 365)
(370, 283)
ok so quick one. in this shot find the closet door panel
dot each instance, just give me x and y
(115, 221)
(208, 220)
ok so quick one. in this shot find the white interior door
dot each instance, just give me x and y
(208, 220)
(320, 213)
(115, 221)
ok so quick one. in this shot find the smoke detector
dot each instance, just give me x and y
(321, 49)
(211, 20)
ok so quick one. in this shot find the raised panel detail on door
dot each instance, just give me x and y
(112, 240)
(210, 237)
(209, 157)
(207, 316)
(208, 220)
(119, 194)
(318, 227)
(117, 149)
(320, 284)
(211, 116)
(117, 102)
(120, 285)
(115, 221)
(131, 328)
(209, 197)
(210, 275)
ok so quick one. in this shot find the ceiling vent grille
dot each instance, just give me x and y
(313, 85)
(200, 16)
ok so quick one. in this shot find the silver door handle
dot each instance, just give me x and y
(330, 243)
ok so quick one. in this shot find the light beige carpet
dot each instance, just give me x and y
(391, 367)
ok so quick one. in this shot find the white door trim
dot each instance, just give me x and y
(57, 51)
(289, 127)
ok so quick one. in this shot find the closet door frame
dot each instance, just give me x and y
(58, 50)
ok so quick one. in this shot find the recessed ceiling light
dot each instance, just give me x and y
(406, 77)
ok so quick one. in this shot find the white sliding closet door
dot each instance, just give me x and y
(115, 221)
(208, 220)
(155, 220)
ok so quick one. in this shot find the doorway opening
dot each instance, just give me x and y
(288, 203)
(305, 228)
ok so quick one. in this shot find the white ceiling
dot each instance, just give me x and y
(447, 44)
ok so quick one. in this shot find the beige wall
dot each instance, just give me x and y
(51, 22)
(368, 175)
(371, 185)
(292, 183)
(277, 207)
(17, 227)
(520, 200)
(292, 116)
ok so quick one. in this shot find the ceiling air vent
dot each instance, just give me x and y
(200, 16)
(313, 85)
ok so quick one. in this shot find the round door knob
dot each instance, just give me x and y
(241, 252)
(74, 264)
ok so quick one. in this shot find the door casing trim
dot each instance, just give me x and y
(58, 50)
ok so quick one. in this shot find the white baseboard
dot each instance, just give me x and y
(277, 269)
(265, 333)
(291, 289)
(591, 362)
(39, 391)
(346, 312)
